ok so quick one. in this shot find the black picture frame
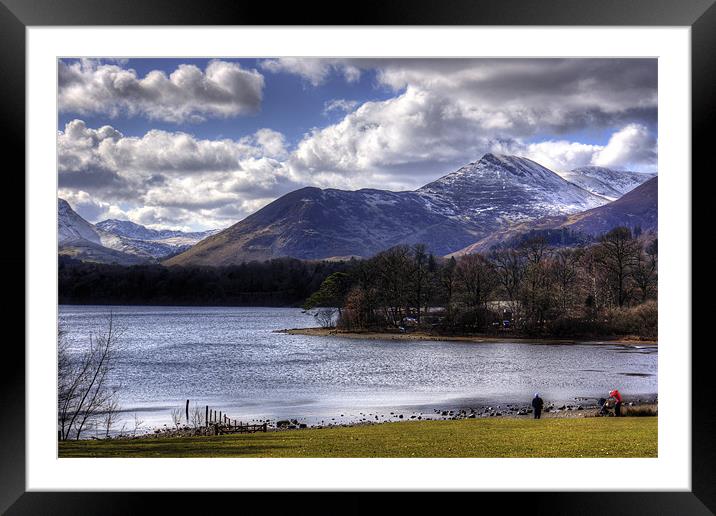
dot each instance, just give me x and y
(16, 15)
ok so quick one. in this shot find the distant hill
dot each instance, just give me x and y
(446, 215)
(79, 239)
(636, 209)
(115, 241)
(128, 229)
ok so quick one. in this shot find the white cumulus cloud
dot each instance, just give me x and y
(630, 147)
(170, 175)
(223, 89)
(313, 70)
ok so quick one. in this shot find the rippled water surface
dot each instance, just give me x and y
(230, 359)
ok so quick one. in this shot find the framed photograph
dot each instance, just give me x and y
(421, 249)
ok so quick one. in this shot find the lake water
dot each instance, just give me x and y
(231, 360)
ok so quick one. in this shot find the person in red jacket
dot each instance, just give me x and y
(617, 402)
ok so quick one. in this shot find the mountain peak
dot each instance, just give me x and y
(492, 157)
(503, 188)
(516, 165)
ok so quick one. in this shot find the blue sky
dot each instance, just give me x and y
(201, 143)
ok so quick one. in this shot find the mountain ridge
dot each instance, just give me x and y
(110, 241)
(447, 214)
(606, 182)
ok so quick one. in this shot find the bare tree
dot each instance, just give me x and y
(537, 298)
(419, 272)
(355, 312)
(644, 271)
(110, 416)
(326, 317)
(393, 276)
(510, 268)
(448, 281)
(176, 414)
(84, 390)
(565, 267)
(138, 423)
(476, 280)
(197, 416)
(616, 254)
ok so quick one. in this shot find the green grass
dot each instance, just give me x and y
(552, 437)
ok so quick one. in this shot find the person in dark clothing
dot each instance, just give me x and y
(537, 404)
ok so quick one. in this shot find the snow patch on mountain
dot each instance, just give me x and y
(122, 236)
(72, 227)
(505, 189)
(128, 229)
(133, 238)
(606, 182)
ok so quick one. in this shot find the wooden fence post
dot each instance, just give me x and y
(206, 418)
(187, 412)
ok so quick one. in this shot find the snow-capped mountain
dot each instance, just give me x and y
(606, 182)
(79, 239)
(503, 189)
(134, 238)
(131, 243)
(495, 194)
(128, 229)
(71, 227)
(447, 214)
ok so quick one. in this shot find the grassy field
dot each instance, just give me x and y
(569, 437)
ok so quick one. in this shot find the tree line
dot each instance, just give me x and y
(605, 288)
(280, 282)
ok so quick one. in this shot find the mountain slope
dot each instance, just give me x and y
(311, 223)
(606, 182)
(72, 227)
(87, 251)
(446, 215)
(638, 208)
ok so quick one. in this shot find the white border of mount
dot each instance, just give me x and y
(671, 470)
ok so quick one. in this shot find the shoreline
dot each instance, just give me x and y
(574, 410)
(477, 339)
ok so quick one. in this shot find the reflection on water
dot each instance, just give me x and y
(230, 359)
